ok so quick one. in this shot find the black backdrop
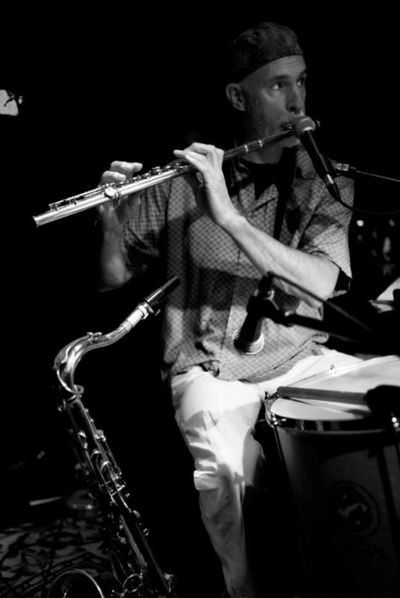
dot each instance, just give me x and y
(134, 86)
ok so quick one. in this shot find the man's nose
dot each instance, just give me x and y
(295, 101)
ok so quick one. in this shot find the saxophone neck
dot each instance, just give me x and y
(68, 358)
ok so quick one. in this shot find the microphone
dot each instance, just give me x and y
(303, 129)
(250, 338)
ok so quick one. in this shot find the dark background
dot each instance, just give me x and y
(124, 84)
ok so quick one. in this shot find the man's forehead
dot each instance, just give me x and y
(287, 66)
(257, 46)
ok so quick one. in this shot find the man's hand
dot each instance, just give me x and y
(212, 195)
(118, 172)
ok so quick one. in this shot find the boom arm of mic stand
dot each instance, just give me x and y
(374, 345)
(351, 172)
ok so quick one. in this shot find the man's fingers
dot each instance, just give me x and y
(126, 168)
(120, 171)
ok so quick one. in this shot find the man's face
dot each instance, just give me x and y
(273, 95)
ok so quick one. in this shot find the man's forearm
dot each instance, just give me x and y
(316, 274)
(113, 272)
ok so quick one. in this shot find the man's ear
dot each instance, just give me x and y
(234, 93)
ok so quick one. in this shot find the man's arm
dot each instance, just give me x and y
(313, 272)
(113, 271)
(317, 274)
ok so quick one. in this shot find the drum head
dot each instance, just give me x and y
(336, 396)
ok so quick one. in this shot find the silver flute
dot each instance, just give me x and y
(116, 191)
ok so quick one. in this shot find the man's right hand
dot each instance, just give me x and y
(118, 172)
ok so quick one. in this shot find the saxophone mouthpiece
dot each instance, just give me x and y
(159, 294)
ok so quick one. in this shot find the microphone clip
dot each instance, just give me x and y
(250, 338)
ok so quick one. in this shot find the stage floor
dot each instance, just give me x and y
(33, 553)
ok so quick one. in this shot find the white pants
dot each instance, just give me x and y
(216, 419)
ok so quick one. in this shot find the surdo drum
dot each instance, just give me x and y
(343, 471)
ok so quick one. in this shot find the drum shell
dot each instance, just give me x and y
(345, 485)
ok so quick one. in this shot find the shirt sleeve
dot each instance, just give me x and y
(327, 233)
(143, 230)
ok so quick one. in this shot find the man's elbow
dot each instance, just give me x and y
(328, 281)
(325, 285)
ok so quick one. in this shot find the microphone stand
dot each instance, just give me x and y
(267, 308)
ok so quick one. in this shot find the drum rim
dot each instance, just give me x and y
(363, 424)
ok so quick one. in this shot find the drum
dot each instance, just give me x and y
(342, 466)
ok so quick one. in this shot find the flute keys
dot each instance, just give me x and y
(155, 170)
(111, 192)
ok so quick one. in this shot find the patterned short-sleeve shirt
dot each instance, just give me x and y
(202, 315)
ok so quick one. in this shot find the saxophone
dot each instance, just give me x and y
(134, 571)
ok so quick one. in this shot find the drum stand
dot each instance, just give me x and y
(384, 403)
